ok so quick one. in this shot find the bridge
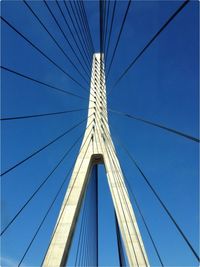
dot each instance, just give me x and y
(113, 182)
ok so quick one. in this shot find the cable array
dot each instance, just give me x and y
(42, 115)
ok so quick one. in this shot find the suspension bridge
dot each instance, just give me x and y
(91, 183)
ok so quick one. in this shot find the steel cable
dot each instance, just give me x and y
(119, 36)
(43, 147)
(157, 125)
(43, 83)
(42, 53)
(149, 43)
(42, 115)
(72, 34)
(55, 41)
(63, 33)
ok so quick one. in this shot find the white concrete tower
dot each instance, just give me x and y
(97, 147)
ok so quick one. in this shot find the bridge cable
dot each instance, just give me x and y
(42, 115)
(69, 192)
(76, 31)
(42, 53)
(63, 33)
(81, 34)
(110, 31)
(106, 26)
(156, 125)
(161, 202)
(43, 147)
(43, 83)
(84, 14)
(40, 186)
(88, 53)
(103, 23)
(83, 24)
(149, 43)
(119, 36)
(72, 34)
(55, 41)
(82, 6)
(77, 34)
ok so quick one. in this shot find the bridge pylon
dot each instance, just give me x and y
(97, 148)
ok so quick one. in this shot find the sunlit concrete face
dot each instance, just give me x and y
(97, 148)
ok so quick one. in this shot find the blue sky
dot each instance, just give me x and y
(162, 87)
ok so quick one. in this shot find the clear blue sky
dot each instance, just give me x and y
(162, 87)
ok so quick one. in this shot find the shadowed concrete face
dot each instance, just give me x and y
(97, 148)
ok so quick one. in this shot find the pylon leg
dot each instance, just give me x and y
(62, 236)
(130, 233)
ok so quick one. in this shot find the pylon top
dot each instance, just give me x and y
(97, 112)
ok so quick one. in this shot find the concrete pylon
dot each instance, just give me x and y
(97, 147)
